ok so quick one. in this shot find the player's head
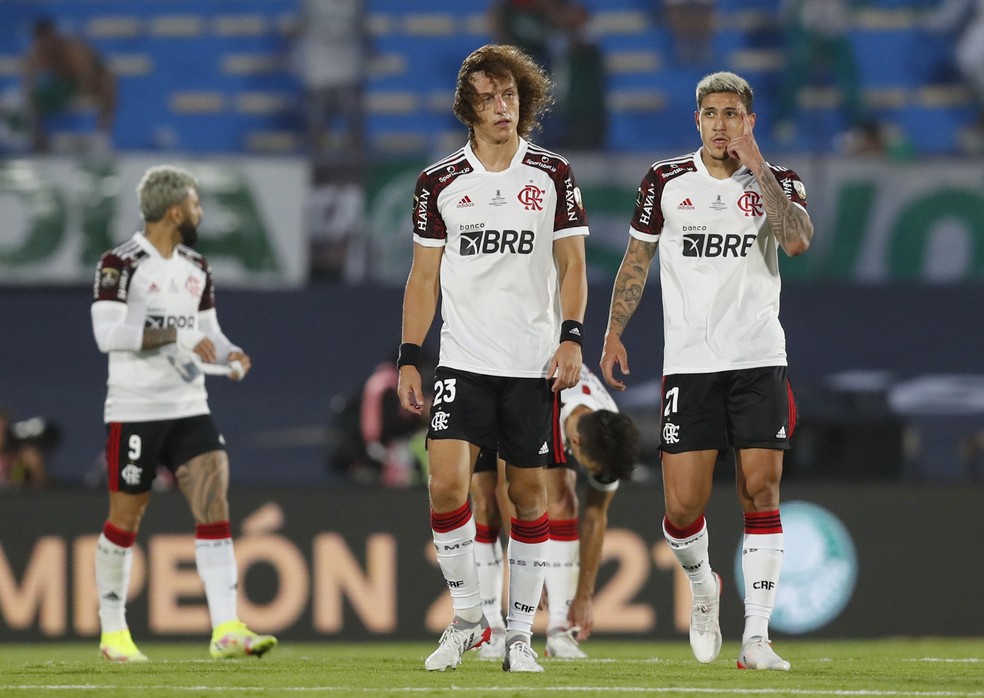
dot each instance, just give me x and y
(606, 443)
(724, 110)
(725, 82)
(170, 194)
(493, 67)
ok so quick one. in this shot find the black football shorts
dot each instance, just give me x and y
(135, 449)
(515, 417)
(746, 408)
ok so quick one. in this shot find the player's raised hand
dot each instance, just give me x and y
(614, 354)
(744, 147)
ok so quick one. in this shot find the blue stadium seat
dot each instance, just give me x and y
(425, 42)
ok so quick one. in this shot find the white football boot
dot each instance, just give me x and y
(757, 653)
(705, 626)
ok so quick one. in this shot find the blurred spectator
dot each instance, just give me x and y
(331, 52)
(692, 24)
(964, 19)
(335, 223)
(581, 92)
(555, 33)
(532, 25)
(373, 439)
(816, 37)
(22, 449)
(388, 429)
(58, 70)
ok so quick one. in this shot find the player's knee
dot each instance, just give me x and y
(446, 493)
(683, 514)
(563, 504)
(529, 505)
(765, 498)
(485, 509)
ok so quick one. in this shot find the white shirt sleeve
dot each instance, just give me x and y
(208, 322)
(111, 329)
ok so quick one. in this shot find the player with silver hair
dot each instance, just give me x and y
(153, 314)
(719, 216)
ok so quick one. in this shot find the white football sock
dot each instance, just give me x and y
(761, 563)
(456, 556)
(113, 565)
(527, 568)
(488, 557)
(560, 580)
(216, 563)
(691, 552)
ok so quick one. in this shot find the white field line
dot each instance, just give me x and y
(696, 690)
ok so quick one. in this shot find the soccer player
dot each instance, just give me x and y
(153, 312)
(606, 444)
(499, 234)
(720, 215)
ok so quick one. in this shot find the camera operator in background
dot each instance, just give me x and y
(22, 449)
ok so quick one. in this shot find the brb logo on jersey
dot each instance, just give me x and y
(496, 241)
(531, 197)
(751, 204)
(714, 245)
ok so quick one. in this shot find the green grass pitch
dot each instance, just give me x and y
(889, 667)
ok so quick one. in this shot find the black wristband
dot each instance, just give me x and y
(572, 331)
(409, 355)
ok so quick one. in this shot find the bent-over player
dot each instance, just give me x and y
(605, 443)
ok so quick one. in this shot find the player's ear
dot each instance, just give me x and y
(174, 214)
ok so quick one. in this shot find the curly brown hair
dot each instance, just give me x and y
(500, 62)
(611, 440)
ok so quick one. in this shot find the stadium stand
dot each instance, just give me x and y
(215, 75)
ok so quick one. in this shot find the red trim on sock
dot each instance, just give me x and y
(442, 523)
(113, 456)
(763, 522)
(213, 531)
(537, 531)
(685, 532)
(565, 529)
(117, 536)
(486, 534)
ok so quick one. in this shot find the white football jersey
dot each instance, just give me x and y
(500, 301)
(590, 392)
(718, 265)
(160, 383)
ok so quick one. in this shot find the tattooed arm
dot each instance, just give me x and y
(630, 282)
(790, 223)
